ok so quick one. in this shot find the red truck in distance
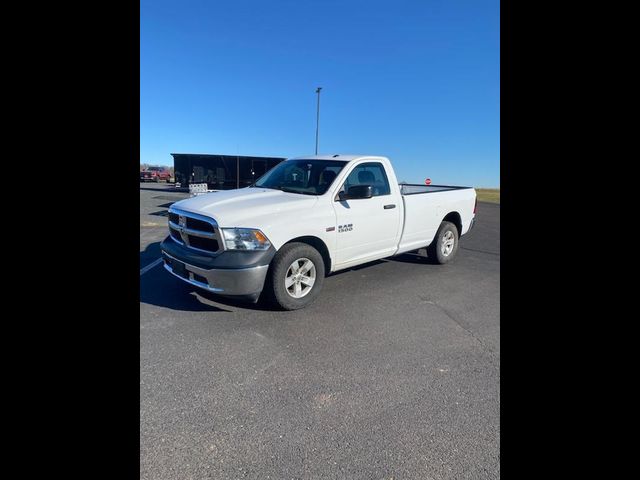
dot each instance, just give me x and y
(155, 174)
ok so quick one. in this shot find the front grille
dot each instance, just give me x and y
(198, 233)
(174, 217)
(201, 225)
(175, 235)
(208, 244)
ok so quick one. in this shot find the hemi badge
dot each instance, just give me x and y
(330, 229)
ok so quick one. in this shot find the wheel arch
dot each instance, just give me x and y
(456, 219)
(319, 245)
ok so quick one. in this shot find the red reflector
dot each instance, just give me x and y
(475, 207)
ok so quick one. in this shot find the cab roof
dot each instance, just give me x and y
(345, 158)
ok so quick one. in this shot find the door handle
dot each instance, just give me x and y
(387, 207)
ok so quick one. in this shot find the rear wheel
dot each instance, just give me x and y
(295, 277)
(445, 245)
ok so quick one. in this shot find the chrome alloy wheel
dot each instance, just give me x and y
(300, 277)
(448, 242)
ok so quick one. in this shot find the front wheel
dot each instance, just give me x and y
(445, 245)
(295, 277)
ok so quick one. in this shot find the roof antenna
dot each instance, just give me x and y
(336, 155)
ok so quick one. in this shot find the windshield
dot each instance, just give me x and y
(308, 177)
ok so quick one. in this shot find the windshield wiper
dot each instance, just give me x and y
(291, 190)
(285, 189)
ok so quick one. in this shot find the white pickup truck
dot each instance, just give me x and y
(308, 217)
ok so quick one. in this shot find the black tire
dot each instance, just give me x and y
(275, 289)
(436, 253)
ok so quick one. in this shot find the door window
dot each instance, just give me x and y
(369, 174)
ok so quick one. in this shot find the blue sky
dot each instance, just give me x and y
(417, 81)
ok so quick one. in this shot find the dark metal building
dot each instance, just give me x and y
(220, 172)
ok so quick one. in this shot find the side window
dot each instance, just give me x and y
(369, 174)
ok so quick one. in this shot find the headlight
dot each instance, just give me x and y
(245, 239)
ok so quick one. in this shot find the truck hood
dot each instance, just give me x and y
(250, 207)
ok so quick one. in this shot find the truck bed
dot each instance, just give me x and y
(424, 213)
(414, 189)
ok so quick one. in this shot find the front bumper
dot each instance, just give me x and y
(230, 273)
(234, 282)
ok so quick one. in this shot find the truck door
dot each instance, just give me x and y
(367, 228)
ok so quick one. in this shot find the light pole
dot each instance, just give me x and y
(318, 117)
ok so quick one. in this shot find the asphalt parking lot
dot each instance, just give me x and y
(394, 372)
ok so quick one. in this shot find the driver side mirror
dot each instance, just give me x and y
(357, 192)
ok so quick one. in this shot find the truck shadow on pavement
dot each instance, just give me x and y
(261, 305)
(177, 297)
(409, 257)
(158, 287)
